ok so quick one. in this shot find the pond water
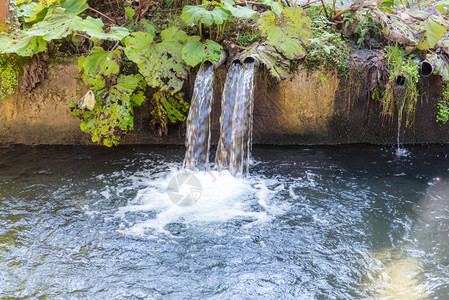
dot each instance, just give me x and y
(307, 223)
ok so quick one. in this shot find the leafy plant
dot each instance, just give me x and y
(278, 66)
(327, 48)
(106, 112)
(249, 37)
(435, 29)
(276, 6)
(289, 32)
(366, 26)
(214, 14)
(401, 91)
(167, 108)
(164, 65)
(56, 25)
(33, 12)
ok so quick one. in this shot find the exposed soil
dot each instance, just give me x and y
(34, 72)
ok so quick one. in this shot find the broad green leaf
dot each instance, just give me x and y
(194, 53)
(138, 45)
(74, 7)
(27, 46)
(98, 65)
(440, 5)
(102, 62)
(40, 10)
(128, 84)
(278, 66)
(5, 41)
(173, 34)
(94, 28)
(130, 12)
(175, 107)
(25, 10)
(173, 41)
(161, 64)
(117, 33)
(435, 27)
(137, 99)
(396, 30)
(56, 25)
(213, 50)
(276, 6)
(241, 12)
(147, 26)
(289, 33)
(193, 15)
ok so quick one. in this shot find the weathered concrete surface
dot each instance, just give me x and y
(297, 110)
(311, 108)
(43, 116)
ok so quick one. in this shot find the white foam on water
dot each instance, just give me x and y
(402, 152)
(223, 198)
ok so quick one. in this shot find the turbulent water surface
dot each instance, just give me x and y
(318, 223)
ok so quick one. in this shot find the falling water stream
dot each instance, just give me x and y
(234, 147)
(198, 120)
(226, 119)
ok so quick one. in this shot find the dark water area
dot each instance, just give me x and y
(307, 223)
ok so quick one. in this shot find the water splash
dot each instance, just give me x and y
(401, 152)
(198, 121)
(234, 148)
(223, 198)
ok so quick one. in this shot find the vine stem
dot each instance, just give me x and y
(325, 10)
(102, 14)
(241, 47)
(169, 10)
(333, 7)
(83, 36)
(223, 29)
(218, 33)
(115, 46)
(113, 11)
(307, 4)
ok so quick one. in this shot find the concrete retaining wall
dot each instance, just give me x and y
(310, 108)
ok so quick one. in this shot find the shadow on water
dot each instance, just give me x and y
(308, 222)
